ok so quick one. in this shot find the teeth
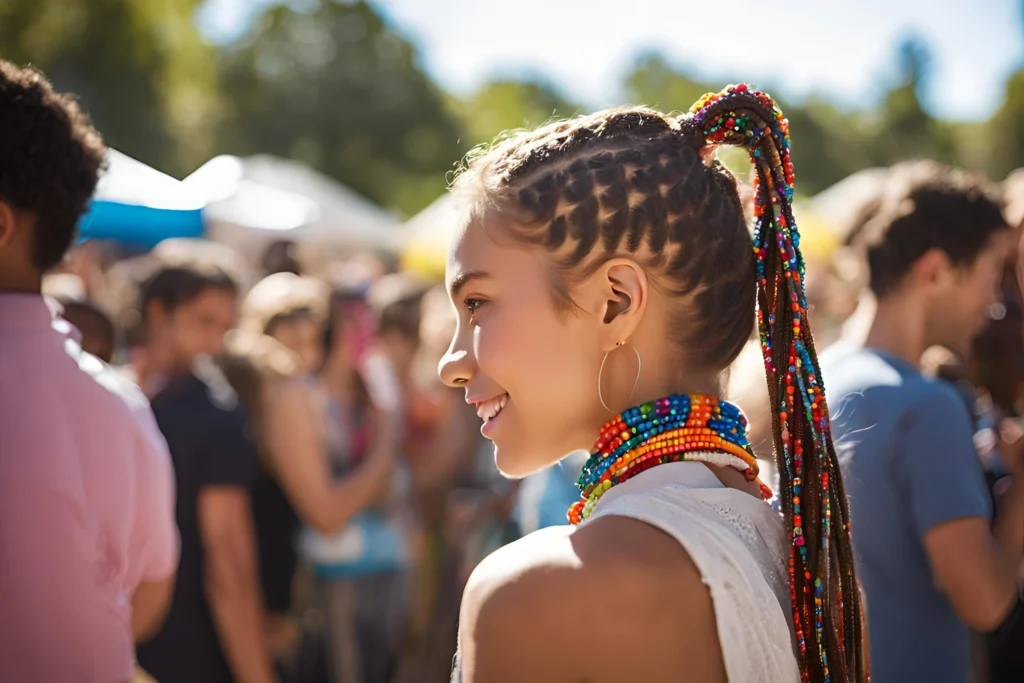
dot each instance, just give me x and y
(488, 410)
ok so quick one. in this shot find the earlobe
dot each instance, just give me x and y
(933, 267)
(7, 223)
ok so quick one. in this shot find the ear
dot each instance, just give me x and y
(7, 224)
(933, 269)
(156, 314)
(616, 296)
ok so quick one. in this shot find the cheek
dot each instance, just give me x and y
(544, 365)
(525, 351)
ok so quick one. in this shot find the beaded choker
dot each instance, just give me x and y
(680, 427)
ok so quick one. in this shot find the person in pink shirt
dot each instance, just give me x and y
(88, 543)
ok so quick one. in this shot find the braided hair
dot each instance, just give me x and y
(635, 180)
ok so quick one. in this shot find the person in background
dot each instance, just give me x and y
(88, 547)
(214, 632)
(465, 501)
(281, 257)
(929, 565)
(98, 334)
(543, 497)
(1006, 645)
(323, 462)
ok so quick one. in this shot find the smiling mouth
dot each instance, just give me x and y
(491, 408)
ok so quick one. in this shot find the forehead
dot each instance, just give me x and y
(213, 298)
(474, 247)
(481, 246)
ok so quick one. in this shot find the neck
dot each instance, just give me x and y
(157, 363)
(898, 328)
(657, 378)
(28, 283)
(668, 429)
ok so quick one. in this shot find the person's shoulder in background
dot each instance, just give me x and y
(849, 372)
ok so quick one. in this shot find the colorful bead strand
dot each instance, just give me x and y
(731, 117)
(672, 429)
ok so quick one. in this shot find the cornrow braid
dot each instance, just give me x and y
(823, 588)
(632, 179)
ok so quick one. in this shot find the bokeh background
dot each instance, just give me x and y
(319, 137)
(384, 96)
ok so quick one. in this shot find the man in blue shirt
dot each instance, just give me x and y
(929, 563)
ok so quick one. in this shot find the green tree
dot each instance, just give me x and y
(1005, 130)
(828, 144)
(902, 128)
(503, 105)
(654, 82)
(140, 69)
(336, 87)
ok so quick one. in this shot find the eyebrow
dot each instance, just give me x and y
(462, 279)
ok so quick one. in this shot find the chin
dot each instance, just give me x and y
(522, 460)
(513, 465)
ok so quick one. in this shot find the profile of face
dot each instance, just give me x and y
(962, 297)
(599, 263)
(196, 326)
(305, 337)
(529, 369)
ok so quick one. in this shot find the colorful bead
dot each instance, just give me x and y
(729, 117)
(672, 429)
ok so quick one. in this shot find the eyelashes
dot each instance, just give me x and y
(473, 305)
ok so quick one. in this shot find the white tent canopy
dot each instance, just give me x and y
(128, 181)
(254, 201)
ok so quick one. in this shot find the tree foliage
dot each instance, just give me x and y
(507, 104)
(140, 69)
(1005, 131)
(331, 83)
(339, 89)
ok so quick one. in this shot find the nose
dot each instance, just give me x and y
(458, 365)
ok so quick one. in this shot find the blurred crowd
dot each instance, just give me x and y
(372, 494)
(331, 495)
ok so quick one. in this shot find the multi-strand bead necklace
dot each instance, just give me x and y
(672, 429)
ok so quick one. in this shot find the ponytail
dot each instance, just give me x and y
(823, 588)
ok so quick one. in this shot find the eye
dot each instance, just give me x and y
(473, 305)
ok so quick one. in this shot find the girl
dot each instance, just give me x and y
(603, 275)
(279, 345)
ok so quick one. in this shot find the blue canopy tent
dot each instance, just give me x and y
(138, 205)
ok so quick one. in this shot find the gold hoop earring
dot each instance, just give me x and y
(600, 372)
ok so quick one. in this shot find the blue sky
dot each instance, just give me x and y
(843, 50)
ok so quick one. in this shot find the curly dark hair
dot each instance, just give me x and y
(927, 206)
(50, 158)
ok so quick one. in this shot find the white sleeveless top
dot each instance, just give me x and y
(739, 545)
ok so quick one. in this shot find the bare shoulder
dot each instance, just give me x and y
(564, 604)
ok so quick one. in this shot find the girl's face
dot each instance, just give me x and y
(530, 370)
(306, 338)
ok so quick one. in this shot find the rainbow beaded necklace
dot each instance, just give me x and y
(673, 429)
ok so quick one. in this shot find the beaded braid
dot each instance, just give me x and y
(823, 588)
